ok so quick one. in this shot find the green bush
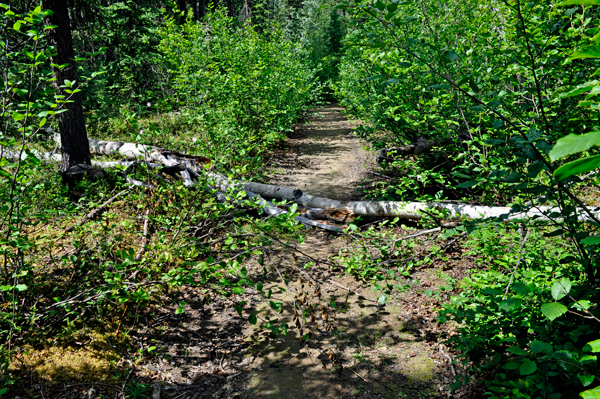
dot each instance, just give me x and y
(245, 88)
(501, 80)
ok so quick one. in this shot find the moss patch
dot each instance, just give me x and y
(94, 361)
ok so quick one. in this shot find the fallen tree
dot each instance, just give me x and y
(420, 146)
(192, 168)
(189, 167)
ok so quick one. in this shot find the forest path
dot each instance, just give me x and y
(357, 349)
(322, 157)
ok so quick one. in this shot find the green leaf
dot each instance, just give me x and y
(224, 281)
(21, 287)
(517, 351)
(238, 309)
(573, 144)
(577, 90)
(577, 167)
(450, 55)
(520, 288)
(492, 291)
(528, 367)
(535, 168)
(588, 359)
(17, 116)
(585, 379)
(582, 305)
(555, 233)
(594, 346)
(382, 299)
(511, 366)
(390, 81)
(591, 51)
(510, 304)
(276, 306)
(467, 184)
(553, 310)
(541, 347)
(591, 394)
(595, 240)
(561, 288)
(579, 2)
(252, 319)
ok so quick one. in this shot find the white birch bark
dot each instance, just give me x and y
(411, 210)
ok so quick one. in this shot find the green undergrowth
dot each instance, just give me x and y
(522, 313)
(89, 280)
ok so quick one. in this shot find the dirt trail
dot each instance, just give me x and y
(357, 349)
(322, 157)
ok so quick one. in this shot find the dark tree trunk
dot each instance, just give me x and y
(195, 8)
(73, 136)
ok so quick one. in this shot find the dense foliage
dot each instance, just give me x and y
(510, 86)
(245, 88)
(500, 80)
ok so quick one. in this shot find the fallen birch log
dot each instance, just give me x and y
(189, 167)
(410, 210)
(420, 146)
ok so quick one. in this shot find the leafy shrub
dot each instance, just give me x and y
(495, 78)
(245, 88)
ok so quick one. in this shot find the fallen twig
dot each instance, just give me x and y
(447, 356)
(95, 212)
(145, 236)
(354, 292)
(384, 176)
(524, 238)
(437, 229)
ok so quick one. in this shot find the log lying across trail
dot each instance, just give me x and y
(192, 167)
(409, 210)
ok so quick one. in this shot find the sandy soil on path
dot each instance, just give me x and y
(322, 157)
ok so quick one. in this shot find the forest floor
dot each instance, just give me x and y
(357, 348)
(362, 350)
